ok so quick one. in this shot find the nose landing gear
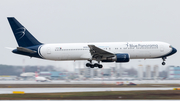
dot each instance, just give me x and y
(163, 63)
(164, 59)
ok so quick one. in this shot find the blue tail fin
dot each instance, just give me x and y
(22, 35)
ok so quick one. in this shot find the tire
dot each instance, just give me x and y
(100, 66)
(96, 65)
(87, 64)
(92, 66)
(163, 63)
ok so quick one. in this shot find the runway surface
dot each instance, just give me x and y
(58, 90)
(93, 82)
(90, 100)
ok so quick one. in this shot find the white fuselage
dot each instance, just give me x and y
(81, 51)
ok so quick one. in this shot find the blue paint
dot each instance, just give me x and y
(173, 51)
(23, 37)
(34, 48)
(122, 57)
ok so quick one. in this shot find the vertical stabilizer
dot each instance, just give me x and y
(22, 35)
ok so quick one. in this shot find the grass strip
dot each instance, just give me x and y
(158, 94)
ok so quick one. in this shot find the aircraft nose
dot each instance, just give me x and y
(174, 50)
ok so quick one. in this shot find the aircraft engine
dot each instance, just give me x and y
(124, 57)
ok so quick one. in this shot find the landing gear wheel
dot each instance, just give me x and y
(100, 66)
(164, 59)
(96, 65)
(88, 64)
(92, 66)
(163, 63)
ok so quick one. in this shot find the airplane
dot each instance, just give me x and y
(120, 52)
(41, 78)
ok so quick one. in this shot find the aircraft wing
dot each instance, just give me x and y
(99, 53)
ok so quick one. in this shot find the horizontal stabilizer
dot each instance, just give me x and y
(22, 49)
(9, 48)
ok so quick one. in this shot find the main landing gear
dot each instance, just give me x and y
(91, 65)
(164, 59)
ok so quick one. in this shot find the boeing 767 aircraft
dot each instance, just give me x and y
(100, 52)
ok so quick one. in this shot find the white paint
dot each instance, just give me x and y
(76, 51)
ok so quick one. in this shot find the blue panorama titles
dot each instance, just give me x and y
(140, 46)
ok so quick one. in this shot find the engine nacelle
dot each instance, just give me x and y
(122, 57)
(118, 58)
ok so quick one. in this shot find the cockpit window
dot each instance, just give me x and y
(170, 46)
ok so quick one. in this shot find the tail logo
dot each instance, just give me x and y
(20, 32)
